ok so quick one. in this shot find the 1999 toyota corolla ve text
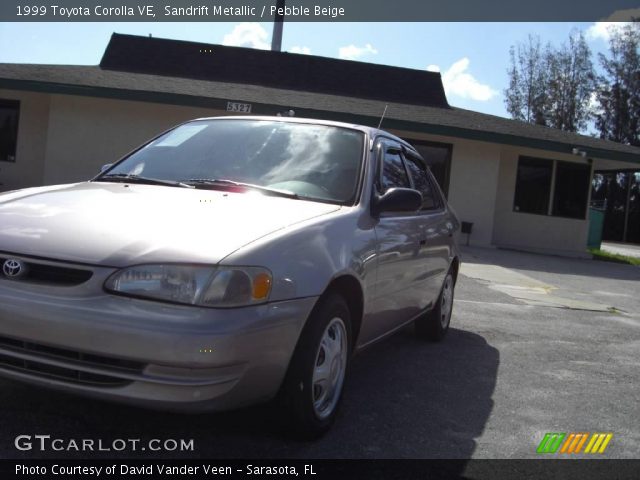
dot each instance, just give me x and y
(226, 262)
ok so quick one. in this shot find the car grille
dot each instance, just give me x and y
(42, 368)
(50, 274)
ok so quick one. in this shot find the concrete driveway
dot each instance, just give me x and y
(627, 249)
(569, 356)
(514, 366)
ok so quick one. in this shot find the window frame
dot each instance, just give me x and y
(551, 183)
(447, 146)
(380, 145)
(383, 145)
(552, 206)
(18, 105)
(552, 187)
(433, 183)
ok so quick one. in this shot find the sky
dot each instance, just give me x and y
(472, 57)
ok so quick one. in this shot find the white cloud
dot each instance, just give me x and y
(603, 30)
(594, 104)
(302, 50)
(457, 81)
(351, 52)
(247, 34)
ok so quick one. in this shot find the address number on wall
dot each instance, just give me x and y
(238, 107)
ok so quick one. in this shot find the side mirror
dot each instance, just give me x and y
(397, 200)
(105, 167)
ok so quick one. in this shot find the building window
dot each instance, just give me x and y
(438, 158)
(9, 112)
(534, 180)
(533, 185)
(571, 189)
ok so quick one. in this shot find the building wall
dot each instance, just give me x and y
(28, 169)
(86, 133)
(542, 233)
(473, 186)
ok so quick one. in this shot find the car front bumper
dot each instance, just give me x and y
(186, 358)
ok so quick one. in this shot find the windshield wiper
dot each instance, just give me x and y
(130, 178)
(199, 182)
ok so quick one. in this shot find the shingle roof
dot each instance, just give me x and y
(94, 81)
(266, 68)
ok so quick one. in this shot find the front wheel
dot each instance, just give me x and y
(434, 324)
(313, 386)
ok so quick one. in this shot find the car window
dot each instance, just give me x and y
(316, 162)
(393, 171)
(422, 183)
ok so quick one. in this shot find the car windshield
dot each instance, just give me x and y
(316, 162)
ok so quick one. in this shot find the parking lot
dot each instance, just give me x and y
(538, 344)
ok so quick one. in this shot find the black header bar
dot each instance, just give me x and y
(317, 10)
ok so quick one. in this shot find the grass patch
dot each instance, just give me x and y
(613, 257)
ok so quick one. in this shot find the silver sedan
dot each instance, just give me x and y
(226, 262)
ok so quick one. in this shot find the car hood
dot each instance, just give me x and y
(117, 224)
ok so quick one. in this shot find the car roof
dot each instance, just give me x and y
(370, 131)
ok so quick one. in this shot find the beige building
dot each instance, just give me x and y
(522, 186)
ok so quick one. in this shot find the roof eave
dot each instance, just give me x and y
(270, 109)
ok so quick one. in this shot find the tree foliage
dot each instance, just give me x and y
(570, 85)
(551, 86)
(618, 92)
(525, 97)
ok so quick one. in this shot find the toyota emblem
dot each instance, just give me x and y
(13, 268)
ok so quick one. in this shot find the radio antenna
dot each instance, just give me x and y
(382, 117)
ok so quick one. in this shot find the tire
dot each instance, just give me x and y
(311, 394)
(434, 325)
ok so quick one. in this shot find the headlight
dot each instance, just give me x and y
(193, 285)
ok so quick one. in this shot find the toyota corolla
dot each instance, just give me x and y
(226, 262)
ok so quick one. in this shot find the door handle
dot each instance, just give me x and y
(423, 242)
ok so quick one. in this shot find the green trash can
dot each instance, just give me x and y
(596, 223)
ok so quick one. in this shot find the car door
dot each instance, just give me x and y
(436, 231)
(398, 238)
